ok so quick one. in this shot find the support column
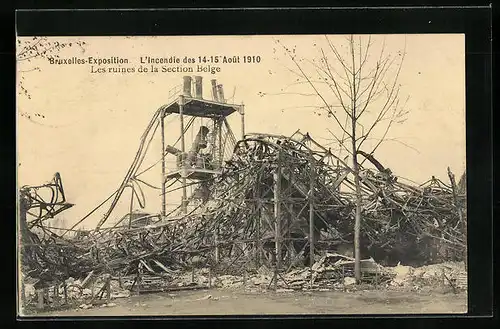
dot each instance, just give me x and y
(163, 173)
(214, 143)
(277, 216)
(40, 296)
(183, 150)
(311, 213)
(242, 121)
(258, 242)
(108, 288)
(221, 150)
(461, 216)
(56, 294)
(216, 241)
(65, 287)
(46, 295)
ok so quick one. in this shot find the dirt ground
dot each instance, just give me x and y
(234, 302)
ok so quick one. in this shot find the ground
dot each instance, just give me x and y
(227, 302)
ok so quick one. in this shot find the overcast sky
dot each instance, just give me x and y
(92, 122)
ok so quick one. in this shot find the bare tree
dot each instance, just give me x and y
(360, 93)
(29, 51)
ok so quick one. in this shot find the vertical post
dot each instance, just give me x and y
(277, 215)
(163, 196)
(311, 212)
(40, 296)
(259, 241)
(65, 288)
(214, 143)
(257, 217)
(221, 150)
(46, 295)
(108, 288)
(56, 294)
(459, 210)
(210, 276)
(258, 237)
(343, 276)
(183, 150)
(242, 121)
(216, 242)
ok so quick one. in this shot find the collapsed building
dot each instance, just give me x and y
(264, 200)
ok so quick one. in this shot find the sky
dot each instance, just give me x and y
(92, 122)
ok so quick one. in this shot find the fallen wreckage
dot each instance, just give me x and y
(279, 203)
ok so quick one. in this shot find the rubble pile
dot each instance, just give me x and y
(333, 268)
(451, 274)
(330, 272)
(271, 193)
(417, 224)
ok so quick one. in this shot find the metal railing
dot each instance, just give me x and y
(174, 92)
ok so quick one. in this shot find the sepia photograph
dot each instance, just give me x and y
(241, 175)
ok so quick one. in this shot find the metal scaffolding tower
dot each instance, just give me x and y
(213, 142)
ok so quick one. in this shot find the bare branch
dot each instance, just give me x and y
(338, 96)
(391, 98)
(29, 47)
(292, 57)
(329, 74)
(340, 141)
(396, 141)
(347, 71)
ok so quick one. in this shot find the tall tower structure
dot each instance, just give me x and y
(205, 138)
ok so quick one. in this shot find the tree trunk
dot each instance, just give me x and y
(355, 166)
(357, 222)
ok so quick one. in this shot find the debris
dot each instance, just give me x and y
(349, 281)
(335, 268)
(229, 281)
(263, 270)
(123, 294)
(437, 275)
(205, 297)
(85, 306)
(260, 279)
(417, 224)
(402, 274)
